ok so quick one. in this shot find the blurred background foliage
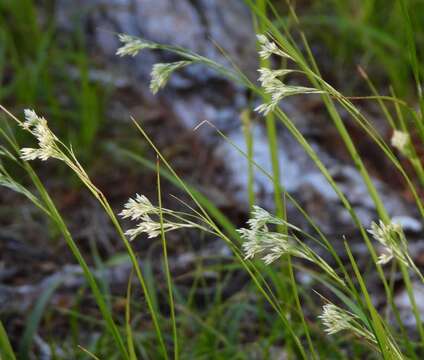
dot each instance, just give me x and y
(40, 69)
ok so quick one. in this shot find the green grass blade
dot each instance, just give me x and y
(35, 317)
(6, 351)
(166, 266)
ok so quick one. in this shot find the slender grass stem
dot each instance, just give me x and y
(167, 270)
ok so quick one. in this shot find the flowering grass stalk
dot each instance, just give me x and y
(51, 147)
(273, 245)
(141, 209)
(162, 72)
(336, 319)
(132, 45)
(259, 240)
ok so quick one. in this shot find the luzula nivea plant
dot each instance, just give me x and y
(268, 48)
(162, 72)
(336, 319)
(49, 146)
(258, 239)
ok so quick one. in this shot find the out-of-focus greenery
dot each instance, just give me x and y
(39, 68)
(367, 32)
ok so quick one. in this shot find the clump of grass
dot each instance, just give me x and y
(273, 245)
(271, 238)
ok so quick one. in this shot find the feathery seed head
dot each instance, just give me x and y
(336, 319)
(39, 128)
(137, 208)
(267, 76)
(393, 239)
(132, 45)
(162, 72)
(268, 48)
(142, 210)
(259, 217)
(278, 90)
(147, 226)
(259, 240)
(400, 140)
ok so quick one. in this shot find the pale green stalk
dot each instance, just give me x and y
(247, 131)
(278, 195)
(73, 163)
(292, 51)
(385, 341)
(167, 270)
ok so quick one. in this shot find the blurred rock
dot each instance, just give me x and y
(404, 305)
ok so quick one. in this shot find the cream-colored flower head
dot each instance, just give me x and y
(391, 236)
(47, 146)
(162, 72)
(274, 87)
(258, 240)
(268, 48)
(140, 209)
(400, 140)
(336, 319)
(132, 45)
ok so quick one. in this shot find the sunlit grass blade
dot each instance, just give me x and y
(6, 350)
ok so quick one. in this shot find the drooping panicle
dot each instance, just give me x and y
(161, 73)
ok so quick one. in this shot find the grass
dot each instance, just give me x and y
(39, 69)
(333, 317)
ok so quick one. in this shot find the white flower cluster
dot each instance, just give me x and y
(268, 48)
(274, 87)
(132, 45)
(136, 208)
(141, 209)
(47, 141)
(161, 73)
(259, 240)
(393, 239)
(400, 140)
(336, 319)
